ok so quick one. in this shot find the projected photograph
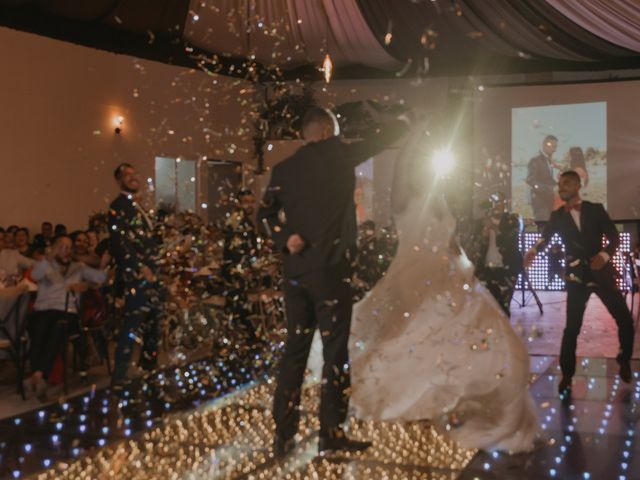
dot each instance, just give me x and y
(548, 140)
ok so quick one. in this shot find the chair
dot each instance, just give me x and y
(87, 326)
(93, 310)
(13, 327)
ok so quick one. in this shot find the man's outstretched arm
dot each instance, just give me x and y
(358, 152)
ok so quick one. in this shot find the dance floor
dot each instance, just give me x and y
(211, 419)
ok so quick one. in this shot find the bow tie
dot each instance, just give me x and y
(576, 207)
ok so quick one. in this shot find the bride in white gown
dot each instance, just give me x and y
(429, 342)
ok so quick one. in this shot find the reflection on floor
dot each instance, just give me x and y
(232, 439)
(590, 437)
(598, 336)
(183, 421)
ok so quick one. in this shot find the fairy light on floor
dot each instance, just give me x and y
(232, 438)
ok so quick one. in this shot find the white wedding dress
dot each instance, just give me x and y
(429, 342)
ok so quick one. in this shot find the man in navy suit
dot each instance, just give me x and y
(582, 225)
(134, 248)
(309, 209)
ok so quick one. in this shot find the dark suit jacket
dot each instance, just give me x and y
(131, 241)
(539, 174)
(585, 243)
(507, 241)
(315, 187)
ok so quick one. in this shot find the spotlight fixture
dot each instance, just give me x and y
(118, 122)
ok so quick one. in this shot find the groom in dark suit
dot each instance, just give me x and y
(310, 212)
(582, 225)
(541, 179)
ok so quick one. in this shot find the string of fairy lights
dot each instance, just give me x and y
(547, 270)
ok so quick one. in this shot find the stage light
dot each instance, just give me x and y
(327, 68)
(443, 161)
(539, 271)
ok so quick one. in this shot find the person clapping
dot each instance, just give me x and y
(60, 283)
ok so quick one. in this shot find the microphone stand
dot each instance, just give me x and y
(528, 292)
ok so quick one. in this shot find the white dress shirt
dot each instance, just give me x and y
(493, 257)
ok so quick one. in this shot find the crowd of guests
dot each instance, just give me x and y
(132, 275)
(57, 268)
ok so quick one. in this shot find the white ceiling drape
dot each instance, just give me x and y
(287, 33)
(617, 21)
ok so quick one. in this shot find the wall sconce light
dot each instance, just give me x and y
(118, 121)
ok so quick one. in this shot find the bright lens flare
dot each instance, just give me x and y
(443, 162)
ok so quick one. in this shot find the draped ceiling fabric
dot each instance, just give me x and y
(482, 35)
(617, 21)
(366, 38)
(287, 33)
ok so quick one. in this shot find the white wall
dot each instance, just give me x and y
(57, 142)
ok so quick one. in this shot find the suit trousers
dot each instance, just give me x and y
(47, 334)
(142, 311)
(602, 284)
(319, 299)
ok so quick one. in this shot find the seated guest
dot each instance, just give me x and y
(60, 282)
(9, 237)
(498, 260)
(81, 251)
(12, 264)
(8, 297)
(44, 238)
(92, 239)
(22, 242)
(60, 229)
